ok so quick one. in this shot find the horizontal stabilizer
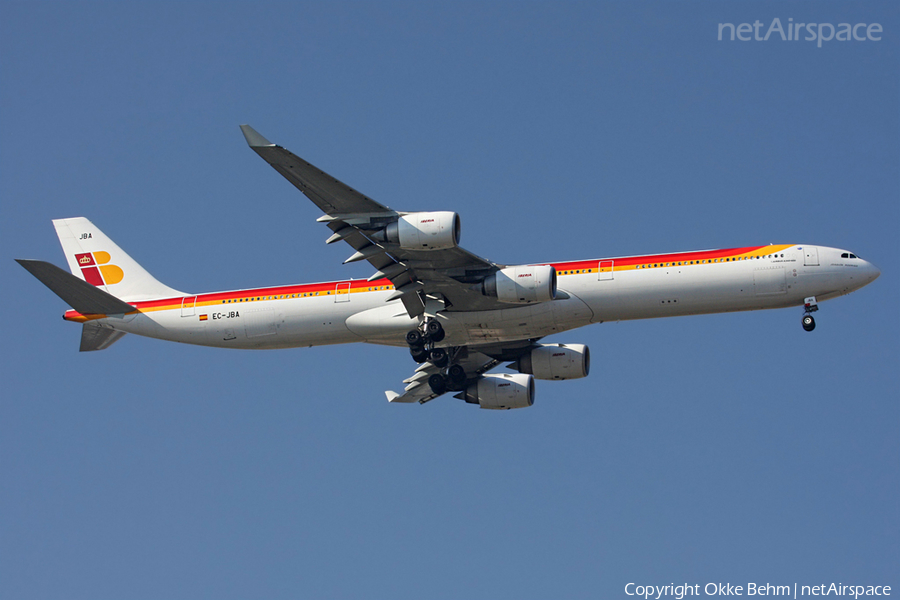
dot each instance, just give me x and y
(77, 293)
(98, 338)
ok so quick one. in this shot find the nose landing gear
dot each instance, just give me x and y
(809, 307)
(808, 323)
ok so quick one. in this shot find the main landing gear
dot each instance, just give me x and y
(809, 307)
(421, 343)
(453, 381)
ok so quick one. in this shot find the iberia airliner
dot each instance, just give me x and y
(460, 315)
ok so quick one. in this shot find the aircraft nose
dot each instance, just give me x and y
(872, 272)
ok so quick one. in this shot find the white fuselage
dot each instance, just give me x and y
(592, 291)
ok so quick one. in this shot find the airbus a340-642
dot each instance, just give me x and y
(460, 315)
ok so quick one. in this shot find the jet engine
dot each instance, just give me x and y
(501, 391)
(424, 231)
(521, 285)
(556, 361)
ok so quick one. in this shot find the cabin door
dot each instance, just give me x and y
(187, 306)
(605, 270)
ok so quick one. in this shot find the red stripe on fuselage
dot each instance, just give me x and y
(363, 285)
(627, 261)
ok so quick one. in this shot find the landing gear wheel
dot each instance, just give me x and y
(414, 339)
(456, 378)
(419, 355)
(434, 331)
(439, 358)
(808, 323)
(438, 384)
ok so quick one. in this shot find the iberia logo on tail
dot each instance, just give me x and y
(95, 269)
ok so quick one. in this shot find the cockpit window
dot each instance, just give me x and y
(848, 255)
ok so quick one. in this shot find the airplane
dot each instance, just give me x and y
(459, 315)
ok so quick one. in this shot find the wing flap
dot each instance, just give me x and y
(420, 393)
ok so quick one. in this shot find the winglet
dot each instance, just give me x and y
(254, 139)
(391, 396)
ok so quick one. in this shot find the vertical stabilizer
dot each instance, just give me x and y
(95, 258)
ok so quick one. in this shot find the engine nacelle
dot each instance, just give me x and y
(521, 285)
(556, 361)
(425, 231)
(503, 391)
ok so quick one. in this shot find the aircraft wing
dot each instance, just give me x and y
(417, 388)
(326, 192)
(357, 219)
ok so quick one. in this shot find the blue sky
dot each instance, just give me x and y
(728, 448)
